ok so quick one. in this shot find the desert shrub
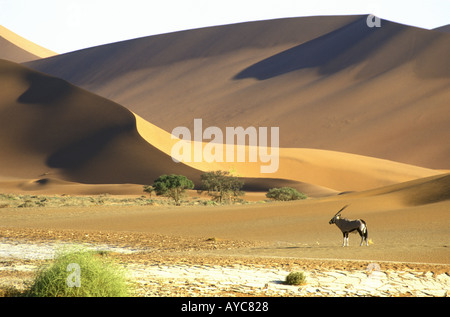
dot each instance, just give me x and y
(295, 278)
(222, 186)
(149, 189)
(209, 203)
(172, 186)
(285, 193)
(98, 277)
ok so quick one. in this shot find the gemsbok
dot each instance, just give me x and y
(348, 226)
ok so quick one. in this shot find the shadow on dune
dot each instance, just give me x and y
(329, 52)
(422, 191)
(264, 184)
(44, 90)
(109, 61)
(48, 125)
(353, 44)
(82, 151)
(433, 191)
(63, 130)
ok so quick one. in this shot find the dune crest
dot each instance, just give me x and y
(363, 121)
(50, 127)
(329, 169)
(50, 132)
(330, 83)
(348, 100)
(18, 49)
(418, 192)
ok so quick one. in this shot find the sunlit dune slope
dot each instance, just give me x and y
(327, 169)
(51, 130)
(17, 49)
(330, 83)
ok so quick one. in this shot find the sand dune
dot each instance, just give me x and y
(330, 171)
(349, 102)
(329, 83)
(17, 49)
(50, 128)
(339, 91)
(444, 28)
(57, 186)
(423, 191)
(315, 172)
(51, 131)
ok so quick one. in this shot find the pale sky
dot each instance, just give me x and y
(68, 25)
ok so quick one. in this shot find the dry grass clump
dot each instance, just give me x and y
(27, 201)
(295, 278)
(80, 273)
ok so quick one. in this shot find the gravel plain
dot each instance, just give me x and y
(183, 267)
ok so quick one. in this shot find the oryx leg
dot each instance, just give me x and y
(345, 242)
(363, 233)
(364, 237)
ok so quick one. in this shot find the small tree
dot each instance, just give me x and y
(172, 186)
(222, 185)
(149, 189)
(285, 193)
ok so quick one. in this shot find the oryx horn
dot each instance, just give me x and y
(341, 210)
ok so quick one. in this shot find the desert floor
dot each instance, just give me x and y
(280, 235)
(283, 229)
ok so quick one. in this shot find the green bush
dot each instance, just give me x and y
(98, 277)
(172, 186)
(285, 193)
(222, 186)
(295, 278)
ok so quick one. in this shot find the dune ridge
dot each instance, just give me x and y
(51, 131)
(316, 80)
(444, 28)
(52, 128)
(423, 191)
(365, 96)
(328, 83)
(334, 171)
(18, 49)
